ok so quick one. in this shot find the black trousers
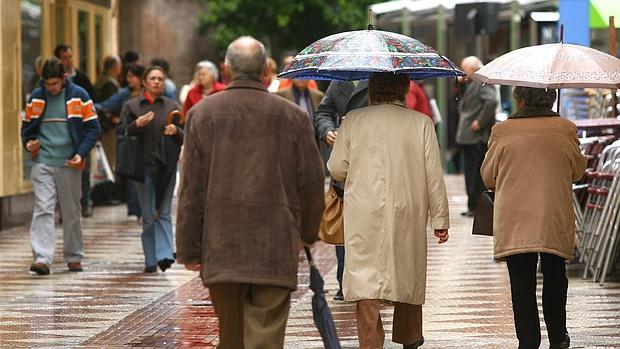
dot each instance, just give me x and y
(474, 155)
(522, 270)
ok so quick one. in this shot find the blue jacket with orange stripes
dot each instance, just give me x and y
(81, 117)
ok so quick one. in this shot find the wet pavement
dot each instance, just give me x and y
(112, 304)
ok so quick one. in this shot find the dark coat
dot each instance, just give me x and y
(252, 186)
(152, 132)
(478, 103)
(340, 98)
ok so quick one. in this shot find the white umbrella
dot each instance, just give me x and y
(553, 66)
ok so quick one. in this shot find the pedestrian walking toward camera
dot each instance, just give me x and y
(156, 119)
(533, 159)
(388, 158)
(251, 193)
(65, 54)
(476, 117)
(59, 129)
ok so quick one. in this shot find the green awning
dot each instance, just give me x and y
(600, 10)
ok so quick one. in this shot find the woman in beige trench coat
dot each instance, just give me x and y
(388, 157)
(533, 159)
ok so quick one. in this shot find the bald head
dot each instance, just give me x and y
(470, 65)
(246, 57)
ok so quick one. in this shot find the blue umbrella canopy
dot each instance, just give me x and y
(354, 55)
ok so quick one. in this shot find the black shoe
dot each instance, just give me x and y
(165, 264)
(467, 214)
(151, 269)
(561, 345)
(339, 296)
(40, 268)
(414, 345)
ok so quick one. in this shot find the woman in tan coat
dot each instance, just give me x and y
(388, 157)
(533, 159)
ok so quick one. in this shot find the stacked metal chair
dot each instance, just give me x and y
(599, 221)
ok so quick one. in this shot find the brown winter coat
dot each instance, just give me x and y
(251, 187)
(533, 159)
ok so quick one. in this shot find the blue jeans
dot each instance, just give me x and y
(157, 241)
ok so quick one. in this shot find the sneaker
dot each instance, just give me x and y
(75, 267)
(40, 268)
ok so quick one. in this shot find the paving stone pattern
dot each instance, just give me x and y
(114, 305)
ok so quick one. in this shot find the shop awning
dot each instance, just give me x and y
(600, 10)
(421, 5)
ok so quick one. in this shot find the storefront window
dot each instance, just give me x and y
(31, 57)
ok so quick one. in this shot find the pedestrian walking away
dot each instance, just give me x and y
(149, 116)
(59, 129)
(476, 117)
(533, 159)
(251, 193)
(387, 201)
(340, 98)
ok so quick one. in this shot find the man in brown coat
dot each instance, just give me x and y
(251, 189)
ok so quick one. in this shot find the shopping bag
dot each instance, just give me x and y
(101, 171)
(483, 215)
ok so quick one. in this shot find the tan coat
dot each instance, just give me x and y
(390, 160)
(533, 159)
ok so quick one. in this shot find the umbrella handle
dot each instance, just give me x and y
(308, 254)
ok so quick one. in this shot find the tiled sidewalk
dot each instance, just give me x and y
(112, 304)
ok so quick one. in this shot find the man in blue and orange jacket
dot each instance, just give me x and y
(59, 128)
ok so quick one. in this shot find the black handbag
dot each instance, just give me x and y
(483, 215)
(129, 155)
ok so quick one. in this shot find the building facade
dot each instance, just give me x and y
(30, 31)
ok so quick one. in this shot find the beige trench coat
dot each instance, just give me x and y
(389, 158)
(533, 159)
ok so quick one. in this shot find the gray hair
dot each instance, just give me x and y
(246, 57)
(534, 97)
(210, 67)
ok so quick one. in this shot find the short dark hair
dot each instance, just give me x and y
(150, 69)
(60, 48)
(535, 97)
(135, 69)
(131, 57)
(53, 68)
(109, 62)
(160, 62)
(387, 87)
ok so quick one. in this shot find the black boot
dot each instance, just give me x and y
(561, 345)
(414, 345)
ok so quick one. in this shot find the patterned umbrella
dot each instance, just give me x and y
(354, 55)
(553, 66)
